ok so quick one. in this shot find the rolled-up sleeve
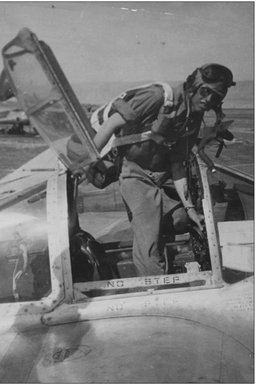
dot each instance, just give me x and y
(140, 105)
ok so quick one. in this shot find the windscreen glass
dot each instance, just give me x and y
(47, 98)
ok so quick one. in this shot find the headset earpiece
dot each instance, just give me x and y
(190, 80)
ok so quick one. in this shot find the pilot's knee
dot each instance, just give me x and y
(180, 220)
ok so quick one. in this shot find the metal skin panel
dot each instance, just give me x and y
(237, 245)
(223, 307)
(148, 283)
(146, 349)
(200, 336)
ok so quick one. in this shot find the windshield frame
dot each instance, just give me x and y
(58, 243)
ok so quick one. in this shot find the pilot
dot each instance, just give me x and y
(154, 127)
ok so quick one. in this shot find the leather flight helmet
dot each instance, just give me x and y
(216, 76)
(214, 73)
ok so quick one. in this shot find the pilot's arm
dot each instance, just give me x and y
(143, 104)
(181, 185)
(109, 127)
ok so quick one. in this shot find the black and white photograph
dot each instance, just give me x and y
(127, 192)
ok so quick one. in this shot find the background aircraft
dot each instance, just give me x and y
(12, 118)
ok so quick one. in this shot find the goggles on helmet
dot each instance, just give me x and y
(205, 91)
(214, 73)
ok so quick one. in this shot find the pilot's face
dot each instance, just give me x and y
(204, 99)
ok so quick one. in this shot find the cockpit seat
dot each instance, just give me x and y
(88, 258)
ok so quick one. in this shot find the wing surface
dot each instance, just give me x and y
(28, 180)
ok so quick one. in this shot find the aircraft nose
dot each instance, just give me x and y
(145, 349)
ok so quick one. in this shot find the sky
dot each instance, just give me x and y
(137, 41)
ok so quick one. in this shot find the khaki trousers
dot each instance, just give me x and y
(146, 205)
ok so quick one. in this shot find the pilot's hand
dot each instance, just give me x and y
(197, 218)
(96, 174)
(194, 150)
(78, 171)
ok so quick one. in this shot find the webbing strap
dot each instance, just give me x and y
(138, 138)
(148, 135)
(101, 115)
(132, 139)
(168, 94)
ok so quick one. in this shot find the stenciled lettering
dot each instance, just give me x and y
(115, 284)
(161, 280)
(175, 278)
(111, 284)
(115, 307)
(148, 281)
